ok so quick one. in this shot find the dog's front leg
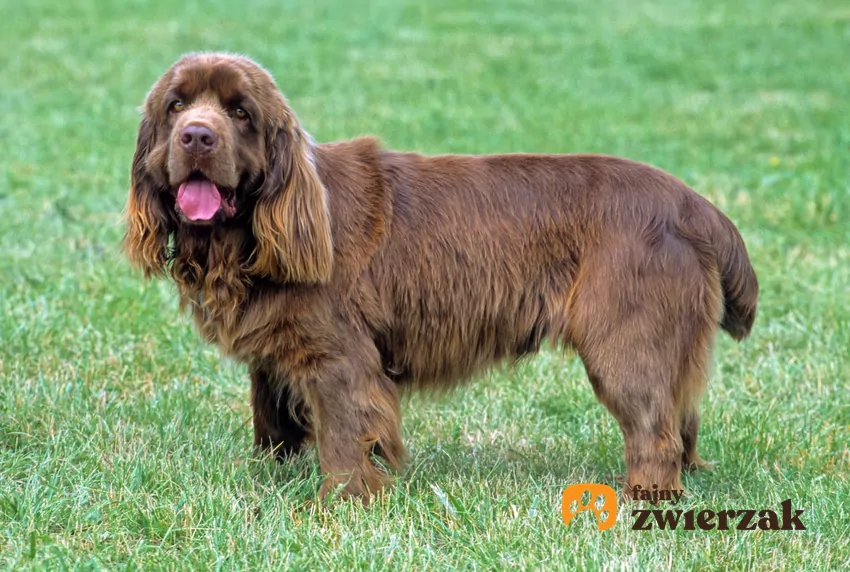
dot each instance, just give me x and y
(354, 410)
(281, 425)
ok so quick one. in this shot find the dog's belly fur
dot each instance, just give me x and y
(447, 345)
(464, 315)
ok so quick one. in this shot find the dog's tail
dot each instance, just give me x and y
(737, 277)
(720, 246)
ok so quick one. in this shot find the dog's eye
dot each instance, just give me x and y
(176, 107)
(240, 114)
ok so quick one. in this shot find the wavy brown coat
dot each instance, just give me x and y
(349, 271)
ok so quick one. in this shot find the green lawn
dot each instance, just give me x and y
(126, 443)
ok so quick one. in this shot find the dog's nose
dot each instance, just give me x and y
(197, 139)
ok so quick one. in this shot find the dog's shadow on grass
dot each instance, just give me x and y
(451, 465)
(505, 465)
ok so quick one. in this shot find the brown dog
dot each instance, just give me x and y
(340, 273)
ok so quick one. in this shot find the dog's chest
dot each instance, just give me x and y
(217, 314)
(217, 306)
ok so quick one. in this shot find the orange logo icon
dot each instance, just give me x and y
(573, 493)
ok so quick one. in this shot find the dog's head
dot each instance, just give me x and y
(219, 145)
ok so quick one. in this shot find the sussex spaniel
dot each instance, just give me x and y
(342, 273)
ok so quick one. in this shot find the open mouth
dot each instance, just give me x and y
(200, 199)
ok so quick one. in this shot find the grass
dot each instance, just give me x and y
(126, 443)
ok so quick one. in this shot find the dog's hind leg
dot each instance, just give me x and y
(689, 424)
(642, 321)
(636, 383)
(694, 378)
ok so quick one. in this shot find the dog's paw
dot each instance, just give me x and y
(360, 485)
(699, 465)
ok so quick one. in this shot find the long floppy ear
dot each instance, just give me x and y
(291, 219)
(148, 222)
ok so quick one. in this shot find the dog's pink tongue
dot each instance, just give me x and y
(198, 199)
